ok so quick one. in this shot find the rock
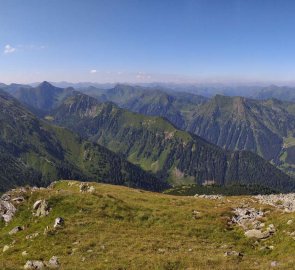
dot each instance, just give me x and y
(271, 229)
(210, 197)
(289, 222)
(254, 233)
(41, 208)
(91, 189)
(25, 253)
(15, 230)
(285, 202)
(59, 222)
(53, 263)
(85, 187)
(196, 214)
(5, 248)
(7, 209)
(36, 265)
(18, 199)
(247, 217)
(233, 253)
(32, 236)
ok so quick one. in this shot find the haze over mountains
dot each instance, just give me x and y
(160, 146)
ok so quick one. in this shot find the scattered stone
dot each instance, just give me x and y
(274, 264)
(59, 222)
(41, 208)
(285, 202)
(15, 230)
(257, 234)
(85, 187)
(210, 197)
(271, 229)
(36, 265)
(53, 263)
(289, 222)
(25, 253)
(5, 248)
(32, 236)
(196, 214)
(233, 253)
(18, 200)
(247, 218)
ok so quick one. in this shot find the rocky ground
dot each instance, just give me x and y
(73, 225)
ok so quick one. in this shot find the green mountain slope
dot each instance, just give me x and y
(156, 145)
(34, 152)
(245, 124)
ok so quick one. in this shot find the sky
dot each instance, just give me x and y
(147, 41)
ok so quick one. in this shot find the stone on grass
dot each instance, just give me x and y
(53, 263)
(5, 248)
(257, 234)
(233, 253)
(41, 208)
(36, 265)
(59, 222)
(15, 230)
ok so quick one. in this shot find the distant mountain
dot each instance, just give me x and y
(283, 93)
(175, 106)
(43, 98)
(157, 146)
(36, 153)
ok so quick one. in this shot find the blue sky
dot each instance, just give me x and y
(147, 40)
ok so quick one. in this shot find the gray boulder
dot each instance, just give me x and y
(53, 263)
(7, 209)
(36, 265)
(41, 208)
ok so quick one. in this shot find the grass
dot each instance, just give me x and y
(120, 228)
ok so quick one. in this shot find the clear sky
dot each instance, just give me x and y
(147, 40)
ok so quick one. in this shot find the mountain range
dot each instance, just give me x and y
(36, 153)
(147, 127)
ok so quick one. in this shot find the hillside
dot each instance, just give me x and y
(155, 231)
(36, 153)
(157, 146)
(245, 124)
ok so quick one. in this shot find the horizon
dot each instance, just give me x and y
(133, 42)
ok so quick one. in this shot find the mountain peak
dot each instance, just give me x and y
(45, 84)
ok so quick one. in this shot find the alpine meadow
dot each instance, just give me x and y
(141, 134)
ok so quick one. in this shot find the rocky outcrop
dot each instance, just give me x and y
(85, 187)
(211, 197)
(53, 263)
(36, 265)
(285, 202)
(250, 220)
(7, 210)
(41, 208)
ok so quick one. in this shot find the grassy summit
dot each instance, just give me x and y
(121, 228)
